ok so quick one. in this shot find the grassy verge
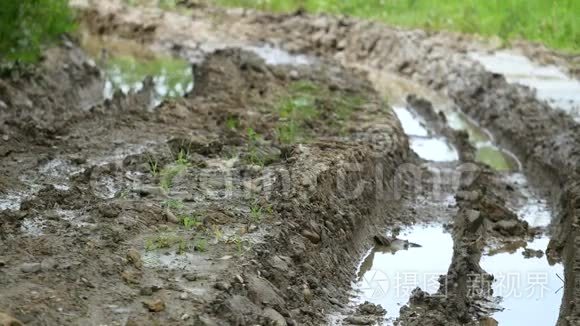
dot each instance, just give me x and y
(26, 25)
(555, 23)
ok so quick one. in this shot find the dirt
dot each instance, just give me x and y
(253, 198)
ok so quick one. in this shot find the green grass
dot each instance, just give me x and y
(555, 23)
(25, 26)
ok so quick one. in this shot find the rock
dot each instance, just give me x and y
(2, 263)
(274, 318)
(190, 277)
(262, 291)
(131, 277)
(368, 308)
(7, 320)
(382, 240)
(171, 217)
(48, 264)
(224, 286)
(110, 210)
(531, 253)
(474, 220)
(313, 237)
(155, 305)
(31, 267)
(294, 75)
(307, 293)
(360, 320)
(134, 258)
(488, 321)
(204, 321)
(510, 227)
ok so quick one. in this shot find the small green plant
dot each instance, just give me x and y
(239, 243)
(190, 222)
(161, 241)
(232, 123)
(256, 212)
(182, 247)
(182, 158)
(174, 204)
(217, 233)
(169, 173)
(201, 245)
(254, 156)
(153, 166)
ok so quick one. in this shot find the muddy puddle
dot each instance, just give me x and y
(387, 275)
(550, 83)
(529, 289)
(127, 64)
(428, 147)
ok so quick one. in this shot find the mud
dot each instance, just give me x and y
(253, 195)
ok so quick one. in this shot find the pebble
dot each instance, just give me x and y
(134, 258)
(7, 320)
(31, 267)
(156, 305)
(313, 237)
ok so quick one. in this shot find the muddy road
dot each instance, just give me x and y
(203, 166)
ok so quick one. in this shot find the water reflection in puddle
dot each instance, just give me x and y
(550, 82)
(387, 275)
(529, 287)
(496, 158)
(276, 56)
(412, 125)
(434, 149)
(171, 77)
(127, 63)
(428, 148)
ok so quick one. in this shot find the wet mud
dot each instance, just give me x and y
(203, 166)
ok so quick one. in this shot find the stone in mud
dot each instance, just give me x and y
(488, 321)
(111, 210)
(474, 220)
(312, 236)
(171, 217)
(369, 308)
(7, 320)
(531, 253)
(134, 258)
(131, 277)
(360, 320)
(511, 227)
(274, 318)
(204, 321)
(382, 240)
(262, 291)
(155, 305)
(31, 267)
(223, 286)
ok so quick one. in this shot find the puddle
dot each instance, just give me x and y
(411, 124)
(434, 149)
(530, 288)
(171, 77)
(486, 152)
(277, 56)
(126, 63)
(459, 121)
(387, 275)
(550, 83)
(496, 158)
